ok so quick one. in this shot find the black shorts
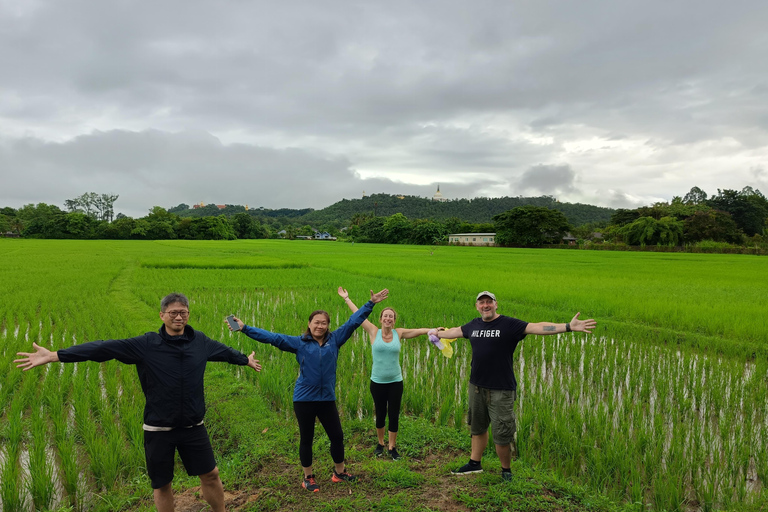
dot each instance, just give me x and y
(194, 449)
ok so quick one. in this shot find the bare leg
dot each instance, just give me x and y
(213, 490)
(504, 451)
(392, 439)
(479, 442)
(307, 471)
(380, 434)
(164, 498)
(339, 467)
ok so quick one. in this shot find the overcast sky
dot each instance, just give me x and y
(302, 103)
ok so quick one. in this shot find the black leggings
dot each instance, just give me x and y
(326, 412)
(387, 396)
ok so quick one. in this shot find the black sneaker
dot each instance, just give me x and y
(310, 484)
(468, 469)
(379, 451)
(506, 476)
(393, 453)
(342, 477)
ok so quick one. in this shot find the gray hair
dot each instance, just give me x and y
(173, 298)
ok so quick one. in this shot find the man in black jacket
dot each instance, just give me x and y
(171, 365)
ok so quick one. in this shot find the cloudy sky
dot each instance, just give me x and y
(302, 103)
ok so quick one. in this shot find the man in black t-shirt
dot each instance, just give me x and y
(492, 384)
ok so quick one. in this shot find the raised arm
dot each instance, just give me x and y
(575, 325)
(367, 325)
(281, 341)
(39, 357)
(343, 333)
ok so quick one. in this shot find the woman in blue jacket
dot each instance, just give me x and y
(314, 396)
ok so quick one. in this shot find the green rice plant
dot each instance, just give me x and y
(11, 482)
(70, 470)
(41, 465)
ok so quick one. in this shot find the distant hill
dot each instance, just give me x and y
(478, 210)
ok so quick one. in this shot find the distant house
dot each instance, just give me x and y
(487, 239)
(324, 236)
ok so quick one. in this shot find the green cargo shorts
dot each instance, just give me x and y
(494, 407)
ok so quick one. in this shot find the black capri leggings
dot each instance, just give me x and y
(326, 412)
(387, 397)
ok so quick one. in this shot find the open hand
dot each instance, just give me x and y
(40, 356)
(344, 294)
(378, 297)
(582, 325)
(253, 363)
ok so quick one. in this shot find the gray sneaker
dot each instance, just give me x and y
(468, 469)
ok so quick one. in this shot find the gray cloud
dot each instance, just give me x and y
(549, 179)
(311, 101)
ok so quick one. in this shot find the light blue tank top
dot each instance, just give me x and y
(386, 359)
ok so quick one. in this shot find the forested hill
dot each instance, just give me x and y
(478, 210)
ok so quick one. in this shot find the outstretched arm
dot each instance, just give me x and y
(281, 341)
(453, 332)
(39, 357)
(368, 326)
(575, 325)
(405, 334)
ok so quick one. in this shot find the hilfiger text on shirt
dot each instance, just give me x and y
(486, 333)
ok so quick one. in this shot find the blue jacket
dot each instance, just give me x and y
(170, 368)
(317, 364)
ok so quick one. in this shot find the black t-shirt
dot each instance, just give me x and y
(493, 344)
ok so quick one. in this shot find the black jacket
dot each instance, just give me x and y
(171, 370)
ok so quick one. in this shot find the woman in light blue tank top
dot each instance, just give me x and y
(386, 376)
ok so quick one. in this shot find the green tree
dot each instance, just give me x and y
(649, 231)
(41, 220)
(427, 232)
(161, 225)
(527, 226)
(372, 231)
(624, 216)
(397, 229)
(749, 208)
(247, 226)
(695, 196)
(712, 225)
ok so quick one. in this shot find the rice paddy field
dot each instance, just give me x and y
(663, 407)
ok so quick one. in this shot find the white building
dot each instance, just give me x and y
(438, 196)
(472, 239)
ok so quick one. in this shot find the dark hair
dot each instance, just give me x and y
(312, 315)
(173, 298)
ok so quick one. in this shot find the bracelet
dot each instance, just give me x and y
(568, 327)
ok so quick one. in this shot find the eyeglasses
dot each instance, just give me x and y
(174, 314)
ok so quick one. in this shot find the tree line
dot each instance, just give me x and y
(730, 217)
